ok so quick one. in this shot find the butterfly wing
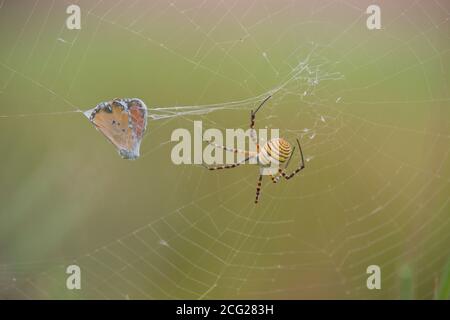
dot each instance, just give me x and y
(112, 119)
(138, 114)
(123, 122)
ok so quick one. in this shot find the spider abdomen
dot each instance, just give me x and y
(274, 151)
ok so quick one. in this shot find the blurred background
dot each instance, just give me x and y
(371, 110)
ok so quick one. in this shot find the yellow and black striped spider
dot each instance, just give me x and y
(275, 151)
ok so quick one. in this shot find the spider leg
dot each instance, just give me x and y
(283, 173)
(227, 166)
(252, 130)
(275, 178)
(260, 105)
(258, 188)
(252, 122)
(248, 153)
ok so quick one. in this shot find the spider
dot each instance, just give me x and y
(275, 151)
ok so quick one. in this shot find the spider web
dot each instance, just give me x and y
(370, 109)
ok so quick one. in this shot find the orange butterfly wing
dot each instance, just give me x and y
(138, 113)
(123, 123)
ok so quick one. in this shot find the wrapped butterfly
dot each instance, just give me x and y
(123, 122)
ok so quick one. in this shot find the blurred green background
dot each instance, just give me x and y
(375, 190)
